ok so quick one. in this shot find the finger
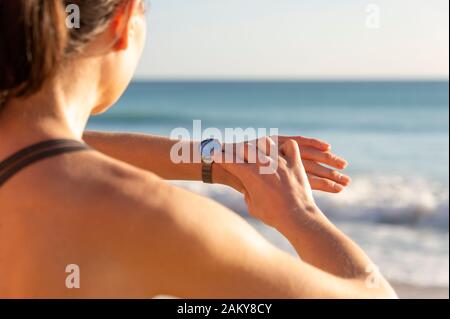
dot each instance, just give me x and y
(267, 145)
(235, 163)
(241, 151)
(320, 171)
(291, 152)
(306, 141)
(236, 152)
(326, 158)
(252, 154)
(325, 185)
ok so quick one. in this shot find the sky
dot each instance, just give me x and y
(296, 39)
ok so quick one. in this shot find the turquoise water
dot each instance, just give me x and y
(394, 134)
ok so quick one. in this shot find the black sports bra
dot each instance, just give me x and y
(34, 153)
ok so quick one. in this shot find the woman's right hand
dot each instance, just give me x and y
(279, 198)
(321, 165)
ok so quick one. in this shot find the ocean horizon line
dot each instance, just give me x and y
(288, 80)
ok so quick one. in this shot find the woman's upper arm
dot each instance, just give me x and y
(183, 245)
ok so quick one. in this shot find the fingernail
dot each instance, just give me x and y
(338, 187)
(345, 180)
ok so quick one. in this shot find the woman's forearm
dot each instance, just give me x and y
(320, 244)
(151, 153)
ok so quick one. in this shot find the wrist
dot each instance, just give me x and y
(302, 218)
(219, 175)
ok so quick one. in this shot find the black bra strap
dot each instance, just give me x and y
(34, 153)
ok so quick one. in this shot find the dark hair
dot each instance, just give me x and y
(34, 39)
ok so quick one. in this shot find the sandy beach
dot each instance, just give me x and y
(406, 291)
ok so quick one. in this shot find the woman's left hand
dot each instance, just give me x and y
(315, 154)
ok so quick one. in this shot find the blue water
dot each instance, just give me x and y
(392, 127)
(394, 134)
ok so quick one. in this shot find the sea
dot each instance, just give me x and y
(395, 135)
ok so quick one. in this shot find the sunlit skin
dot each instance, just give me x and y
(133, 234)
(314, 153)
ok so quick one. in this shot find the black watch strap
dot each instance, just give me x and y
(207, 173)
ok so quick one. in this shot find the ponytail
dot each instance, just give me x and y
(32, 41)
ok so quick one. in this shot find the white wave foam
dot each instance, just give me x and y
(391, 200)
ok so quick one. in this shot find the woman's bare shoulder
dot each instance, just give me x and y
(104, 185)
(83, 182)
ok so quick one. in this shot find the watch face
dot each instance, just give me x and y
(209, 147)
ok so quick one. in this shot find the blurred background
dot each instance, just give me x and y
(370, 77)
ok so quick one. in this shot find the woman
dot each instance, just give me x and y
(110, 213)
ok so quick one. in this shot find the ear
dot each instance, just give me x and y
(121, 25)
